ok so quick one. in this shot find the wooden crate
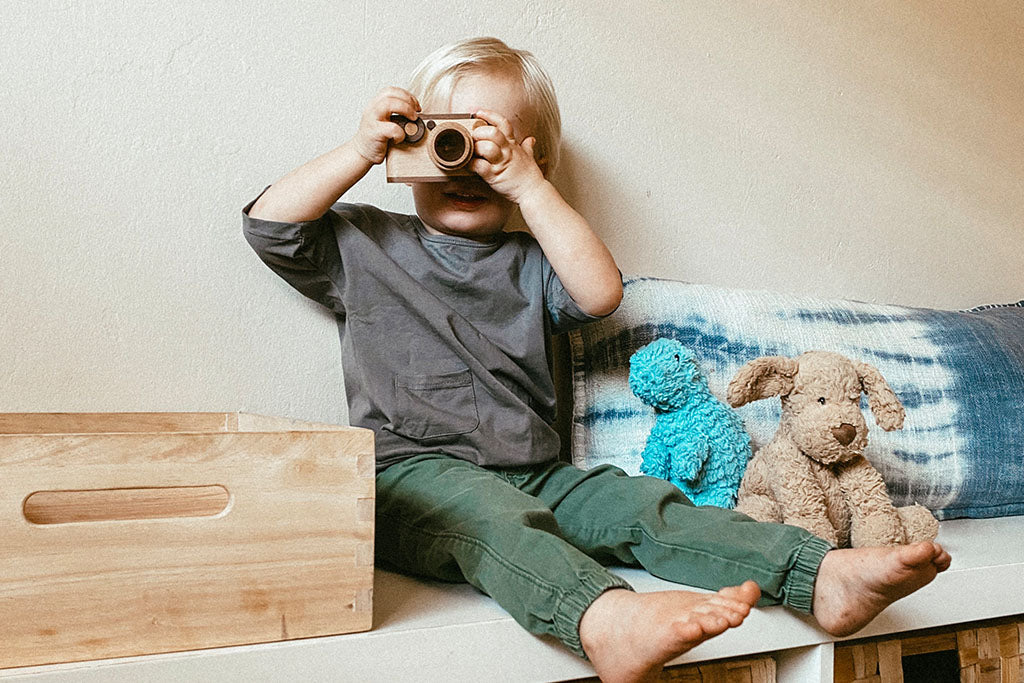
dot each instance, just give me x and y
(744, 670)
(992, 652)
(134, 533)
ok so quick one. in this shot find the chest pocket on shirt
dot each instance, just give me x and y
(431, 406)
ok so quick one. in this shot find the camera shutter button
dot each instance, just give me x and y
(414, 130)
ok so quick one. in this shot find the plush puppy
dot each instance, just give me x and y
(697, 442)
(813, 473)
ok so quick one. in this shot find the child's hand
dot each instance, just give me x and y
(376, 130)
(505, 164)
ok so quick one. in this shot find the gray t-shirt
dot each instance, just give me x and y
(444, 339)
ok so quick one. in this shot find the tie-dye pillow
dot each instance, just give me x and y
(960, 375)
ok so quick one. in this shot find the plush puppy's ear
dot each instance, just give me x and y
(762, 378)
(888, 410)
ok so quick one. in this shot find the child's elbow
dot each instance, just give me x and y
(607, 301)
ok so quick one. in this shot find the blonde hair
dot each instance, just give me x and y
(437, 74)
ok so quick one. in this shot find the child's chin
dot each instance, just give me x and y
(473, 231)
(466, 226)
(473, 224)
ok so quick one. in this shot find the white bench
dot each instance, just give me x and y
(428, 631)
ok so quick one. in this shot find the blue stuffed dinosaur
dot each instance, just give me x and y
(697, 442)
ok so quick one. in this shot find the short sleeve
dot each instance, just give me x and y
(565, 314)
(305, 254)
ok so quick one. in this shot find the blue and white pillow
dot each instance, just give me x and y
(960, 375)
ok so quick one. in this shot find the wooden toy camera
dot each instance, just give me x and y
(436, 147)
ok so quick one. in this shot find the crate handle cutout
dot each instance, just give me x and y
(106, 505)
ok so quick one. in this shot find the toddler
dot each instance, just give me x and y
(444, 320)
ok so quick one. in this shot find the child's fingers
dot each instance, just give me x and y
(388, 130)
(488, 150)
(479, 166)
(382, 131)
(491, 133)
(494, 135)
(398, 93)
(498, 121)
(383, 108)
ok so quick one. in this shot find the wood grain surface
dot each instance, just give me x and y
(158, 539)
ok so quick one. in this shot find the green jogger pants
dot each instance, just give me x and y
(537, 538)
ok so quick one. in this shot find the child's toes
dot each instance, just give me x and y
(734, 617)
(691, 631)
(712, 624)
(747, 593)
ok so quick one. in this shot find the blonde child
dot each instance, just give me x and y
(444, 320)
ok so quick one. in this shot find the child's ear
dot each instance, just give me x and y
(543, 163)
(530, 145)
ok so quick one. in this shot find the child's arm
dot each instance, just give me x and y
(579, 257)
(310, 190)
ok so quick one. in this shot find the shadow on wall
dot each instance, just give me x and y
(572, 178)
(589, 188)
(622, 212)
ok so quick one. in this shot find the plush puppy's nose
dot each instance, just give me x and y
(844, 433)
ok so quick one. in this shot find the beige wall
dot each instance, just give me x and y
(867, 150)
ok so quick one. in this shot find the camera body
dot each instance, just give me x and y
(436, 147)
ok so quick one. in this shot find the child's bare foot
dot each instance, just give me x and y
(630, 636)
(855, 584)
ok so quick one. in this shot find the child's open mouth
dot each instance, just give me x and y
(464, 198)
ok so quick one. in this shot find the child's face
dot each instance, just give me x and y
(467, 206)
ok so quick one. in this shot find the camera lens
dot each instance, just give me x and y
(451, 146)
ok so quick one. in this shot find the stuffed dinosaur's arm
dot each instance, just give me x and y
(688, 455)
(655, 458)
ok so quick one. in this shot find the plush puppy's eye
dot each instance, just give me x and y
(677, 357)
(821, 400)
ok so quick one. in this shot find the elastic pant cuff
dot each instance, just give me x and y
(572, 604)
(798, 589)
